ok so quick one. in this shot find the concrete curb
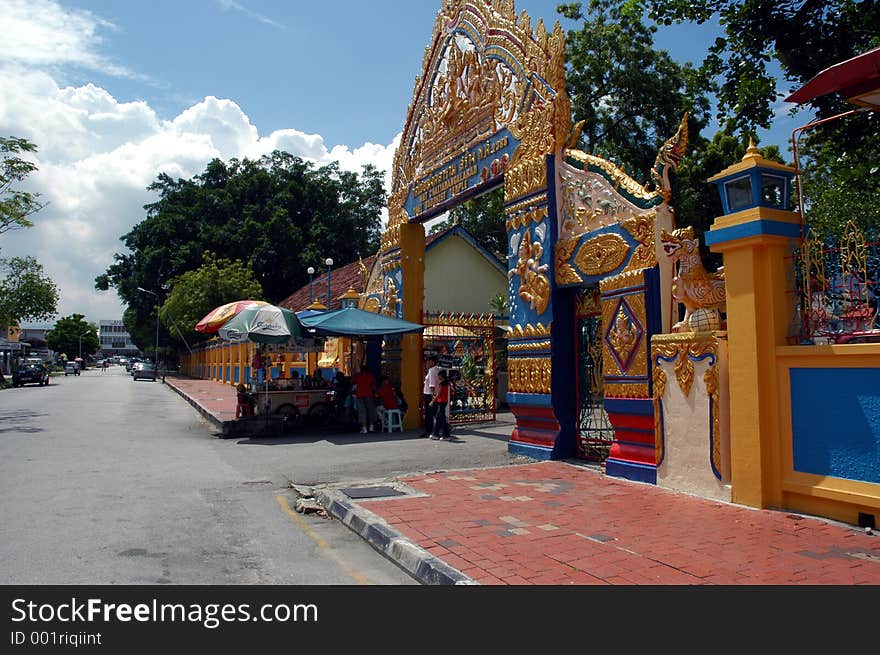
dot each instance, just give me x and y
(201, 408)
(415, 560)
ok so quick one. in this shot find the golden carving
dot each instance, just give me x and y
(534, 287)
(601, 254)
(710, 378)
(529, 375)
(565, 273)
(530, 204)
(589, 302)
(683, 350)
(618, 177)
(693, 286)
(529, 331)
(371, 304)
(626, 390)
(622, 281)
(524, 219)
(611, 309)
(641, 228)
(659, 377)
(528, 347)
(623, 337)
(669, 156)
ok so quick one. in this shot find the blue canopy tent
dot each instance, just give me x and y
(353, 322)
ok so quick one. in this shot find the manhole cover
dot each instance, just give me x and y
(371, 492)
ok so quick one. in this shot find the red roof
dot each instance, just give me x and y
(341, 279)
(850, 78)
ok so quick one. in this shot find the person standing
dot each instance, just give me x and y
(441, 402)
(365, 394)
(429, 390)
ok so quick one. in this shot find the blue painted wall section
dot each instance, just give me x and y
(836, 422)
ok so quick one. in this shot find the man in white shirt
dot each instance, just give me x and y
(429, 390)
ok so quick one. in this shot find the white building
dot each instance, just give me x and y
(114, 339)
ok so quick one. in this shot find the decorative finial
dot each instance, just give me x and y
(752, 150)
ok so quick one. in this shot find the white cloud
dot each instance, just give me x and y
(43, 33)
(97, 154)
(96, 157)
(235, 6)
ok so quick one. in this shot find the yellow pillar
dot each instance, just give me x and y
(412, 261)
(757, 322)
(755, 236)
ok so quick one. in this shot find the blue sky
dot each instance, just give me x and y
(114, 92)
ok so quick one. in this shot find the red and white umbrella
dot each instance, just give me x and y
(218, 316)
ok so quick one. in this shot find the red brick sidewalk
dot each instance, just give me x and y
(215, 400)
(552, 523)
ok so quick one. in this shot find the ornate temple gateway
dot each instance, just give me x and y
(588, 283)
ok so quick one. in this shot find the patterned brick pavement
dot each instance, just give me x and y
(552, 523)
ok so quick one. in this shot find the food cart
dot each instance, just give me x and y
(296, 404)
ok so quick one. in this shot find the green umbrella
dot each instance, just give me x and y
(262, 324)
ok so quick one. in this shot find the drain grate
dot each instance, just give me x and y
(371, 492)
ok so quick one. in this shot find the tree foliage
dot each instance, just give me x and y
(16, 205)
(802, 37)
(278, 215)
(26, 292)
(195, 293)
(631, 95)
(483, 217)
(64, 337)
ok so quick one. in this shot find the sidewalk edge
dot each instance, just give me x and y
(201, 408)
(415, 560)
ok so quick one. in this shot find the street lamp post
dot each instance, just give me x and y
(329, 262)
(81, 342)
(311, 271)
(156, 351)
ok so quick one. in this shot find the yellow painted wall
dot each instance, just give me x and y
(459, 279)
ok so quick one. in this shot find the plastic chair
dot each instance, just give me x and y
(391, 419)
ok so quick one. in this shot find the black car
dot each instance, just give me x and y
(30, 374)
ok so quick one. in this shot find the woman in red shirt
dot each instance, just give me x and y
(440, 403)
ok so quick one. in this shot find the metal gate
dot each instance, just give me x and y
(595, 433)
(465, 346)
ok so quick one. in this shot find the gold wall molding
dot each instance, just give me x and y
(626, 390)
(622, 281)
(526, 205)
(526, 218)
(528, 346)
(529, 331)
(529, 375)
(618, 178)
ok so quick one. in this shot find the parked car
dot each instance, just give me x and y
(143, 370)
(30, 373)
(71, 368)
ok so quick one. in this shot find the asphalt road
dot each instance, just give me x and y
(106, 480)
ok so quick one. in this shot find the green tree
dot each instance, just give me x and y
(279, 215)
(26, 292)
(16, 205)
(630, 95)
(483, 217)
(801, 38)
(195, 293)
(71, 331)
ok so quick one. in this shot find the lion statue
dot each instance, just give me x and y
(702, 293)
